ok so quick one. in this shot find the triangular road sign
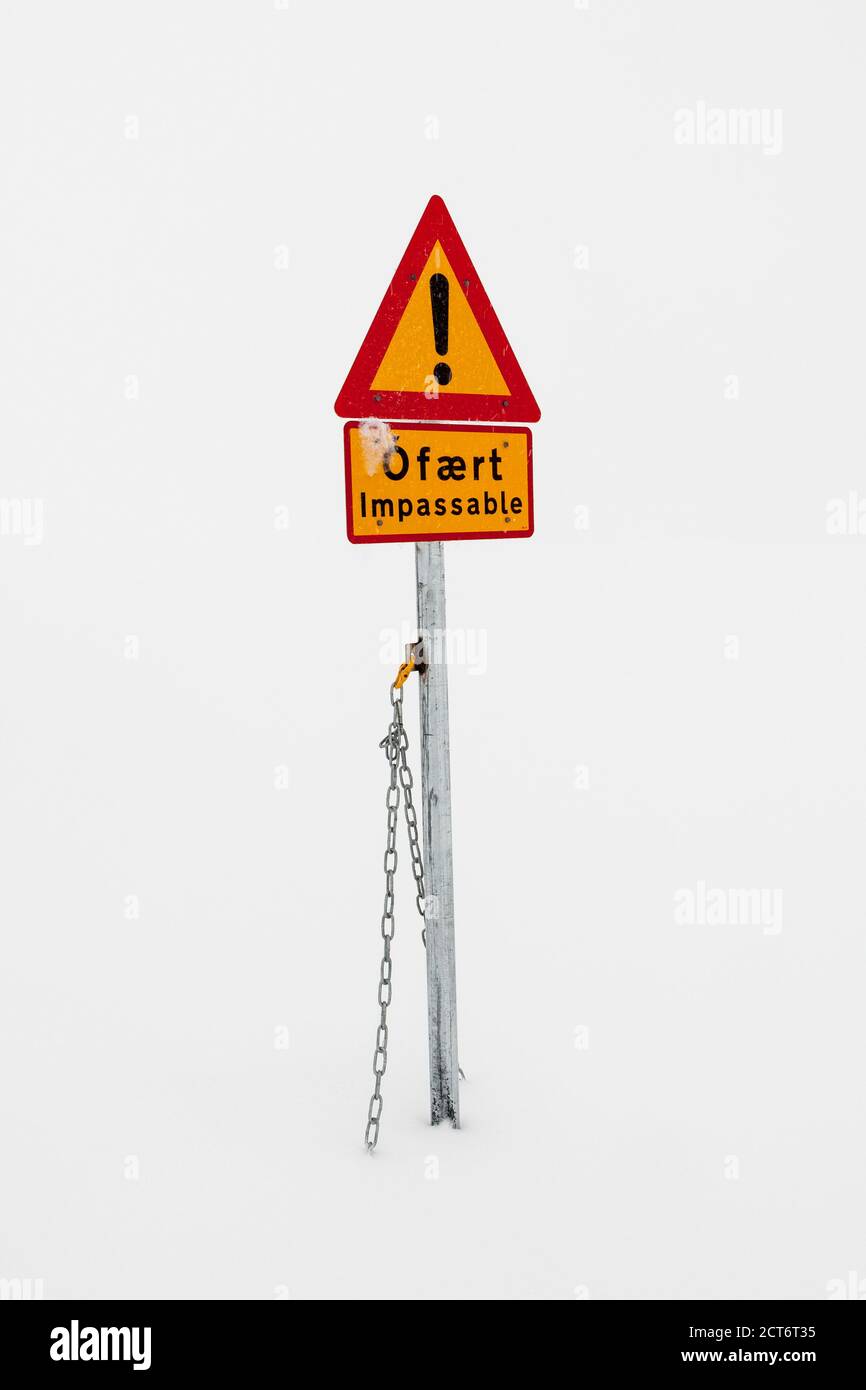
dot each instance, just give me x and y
(436, 350)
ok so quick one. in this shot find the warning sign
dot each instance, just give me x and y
(436, 350)
(437, 482)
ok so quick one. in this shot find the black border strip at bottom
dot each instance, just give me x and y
(212, 1338)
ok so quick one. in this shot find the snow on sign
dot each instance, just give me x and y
(437, 482)
(436, 350)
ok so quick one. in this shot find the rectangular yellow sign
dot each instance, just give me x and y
(437, 482)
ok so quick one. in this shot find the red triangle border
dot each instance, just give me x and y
(357, 399)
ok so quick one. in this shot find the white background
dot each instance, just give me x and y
(709, 1139)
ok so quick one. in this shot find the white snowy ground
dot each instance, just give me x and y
(193, 694)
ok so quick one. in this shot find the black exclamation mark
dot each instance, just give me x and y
(439, 306)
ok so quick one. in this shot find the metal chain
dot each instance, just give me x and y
(395, 744)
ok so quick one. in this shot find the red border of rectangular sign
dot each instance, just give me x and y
(472, 427)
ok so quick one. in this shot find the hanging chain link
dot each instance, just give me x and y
(395, 744)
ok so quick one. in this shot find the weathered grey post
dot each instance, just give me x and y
(436, 796)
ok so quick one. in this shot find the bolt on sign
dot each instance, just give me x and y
(435, 354)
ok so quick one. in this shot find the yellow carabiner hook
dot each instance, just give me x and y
(403, 674)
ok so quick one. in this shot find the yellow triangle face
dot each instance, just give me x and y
(411, 356)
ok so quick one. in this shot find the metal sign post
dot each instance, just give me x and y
(436, 797)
